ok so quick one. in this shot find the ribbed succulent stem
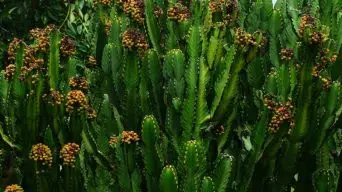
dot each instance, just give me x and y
(247, 167)
(53, 66)
(155, 76)
(42, 182)
(230, 90)
(168, 179)
(193, 162)
(153, 165)
(287, 166)
(319, 136)
(152, 25)
(305, 94)
(70, 179)
(131, 81)
(208, 185)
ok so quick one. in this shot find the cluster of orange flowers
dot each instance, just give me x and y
(229, 9)
(42, 36)
(326, 82)
(32, 63)
(316, 37)
(12, 47)
(215, 5)
(244, 39)
(14, 188)
(54, 98)
(91, 62)
(67, 46)
(134, 8)
(76, 100)
(107, 26)
(178, 13)
(133, 38)
(307, 21)
(33, 59)
(41, 153)
(129, 136)
(91, 113)
(113, 140)
(68, 153)
(158, 12)
(78, 82)
(286, 54)
(281, 112)
(126, 137)
(9, 72)
(323, 59)
(103, 2)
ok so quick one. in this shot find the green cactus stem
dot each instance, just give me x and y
(168, 179)
(151, 137)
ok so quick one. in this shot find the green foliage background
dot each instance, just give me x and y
(244, 96)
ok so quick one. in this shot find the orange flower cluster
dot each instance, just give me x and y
(91, 113)
(133, 38)
(322, 60)
(281, 112)
(12, 47)
(244, 39)
(54, 98)
(316, 38)
(307, 21)
(315, 71)
(326, 82)
(135, 9)
(14, 188)
(286, 54)
(178, 13)
(9, 72)
(129, 136)
(35, 78)
(103, 2)
(76, 100)
(68, 153)
(158, 12)
(67, 46)
(32, 64)
(107, 26)
(31, 61)
(229, 9)
(215, 5)
(42, 36)
(91, 62)
(80, 83)
(308, 26)
(113, 140)
(41, 153)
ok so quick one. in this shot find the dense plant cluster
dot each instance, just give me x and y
(175, 95)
